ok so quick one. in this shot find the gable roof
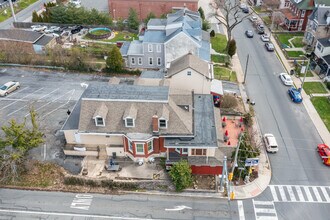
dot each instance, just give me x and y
(189, 61)
(304, 4)
(101, 111)
(324, 41)
(20, 35)
(321, 14)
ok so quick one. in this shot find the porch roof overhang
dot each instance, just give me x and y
(216, 87)
(327, 60)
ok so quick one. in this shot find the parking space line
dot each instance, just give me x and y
(50, 102)
(11, 94)
(36, 100)
(60, 105)
(20, 99)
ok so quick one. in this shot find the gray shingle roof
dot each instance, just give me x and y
(101, 111)
(189, 61)
(44, 40)
(104, 91)
(124, 48)
(205, 132)
(135, 48)
(325, 41)
(152, 74)
(153, 36)
(20, 35)
(156, 22)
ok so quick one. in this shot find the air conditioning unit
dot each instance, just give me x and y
(151, 159)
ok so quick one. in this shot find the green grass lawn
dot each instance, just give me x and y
(267, 20)
(259, 9)
(295, 53)
(123, 36)
(223, 73)
(284, 38)
(219, 58)
(219, 43)
(314, 87)
(19, 7)
(322, 106)
(308, 74)
(298, 42)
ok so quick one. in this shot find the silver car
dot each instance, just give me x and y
(9, 87)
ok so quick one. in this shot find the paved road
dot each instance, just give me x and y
(17, 204)
(24, 14)
(298, 175)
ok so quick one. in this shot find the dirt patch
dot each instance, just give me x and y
(205, 182)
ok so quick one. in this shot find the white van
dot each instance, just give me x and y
(270, 142)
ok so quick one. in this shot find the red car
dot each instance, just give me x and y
(324, 152)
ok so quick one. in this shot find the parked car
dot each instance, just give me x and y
(260, 28)
(324, 152)
(286, 79)
(38, 27)
(265, 37)
(245, 10)
(52, 29)
(253, 18)
(9, 87)
(76, 29)
(242, 5)
(249, 33)
(270, 142)
(269, 46)
(295, 95)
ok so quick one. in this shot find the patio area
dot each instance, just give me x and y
(233, 127)
(95, 168)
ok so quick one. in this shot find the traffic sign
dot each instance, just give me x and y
(251, 162)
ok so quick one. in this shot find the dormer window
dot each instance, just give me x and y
(99, 121)
(129, 122)
(162, 123)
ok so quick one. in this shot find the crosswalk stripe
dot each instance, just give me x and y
(267, 218)
(273, 191)
(263, 210)
(282, 193)
(300, 194)
(325, 194)
(308, 194)
(316, 193)
(263, 202)
(291, 194)
(240, 210)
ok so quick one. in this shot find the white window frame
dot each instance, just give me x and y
(178, 150)
(130, 146)
(133, 60)
(159, 61)
(162, 119)
(149, 47)
(96, 122)
(140, 60)
(151, 143)
(136, 148)
(303, 12)
(152, 61)
(184, 151)
(159, 48)
(126, 122)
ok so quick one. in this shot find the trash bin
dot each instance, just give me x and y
(291, 72)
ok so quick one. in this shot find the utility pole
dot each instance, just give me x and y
(12, 10)
(224, 173)
(306, 69)
(246, 66)
(231, 174)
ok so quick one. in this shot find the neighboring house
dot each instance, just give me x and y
(120, 8)
(143, 122)
(296, 13)
(168, 39)
(322, 57)
(318, 25)
(190, 73)
(27, 41)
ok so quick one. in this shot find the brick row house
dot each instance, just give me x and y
(296, 13)
(120, 8)
(165, 40)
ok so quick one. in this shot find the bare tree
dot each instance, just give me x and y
(228, 13)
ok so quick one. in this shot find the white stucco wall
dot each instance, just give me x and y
(118, 150)
(72, 137)
(195, 81)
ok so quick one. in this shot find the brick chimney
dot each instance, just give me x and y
(155, 128)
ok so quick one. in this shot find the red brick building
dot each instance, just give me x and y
(120, 8)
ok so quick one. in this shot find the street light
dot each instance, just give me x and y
(304, 69)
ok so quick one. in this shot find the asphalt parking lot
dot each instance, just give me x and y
(51, 94)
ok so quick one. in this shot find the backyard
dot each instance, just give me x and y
(322, 106)
(219, 43)
(284, 39)
(223, 73)
(314, 87)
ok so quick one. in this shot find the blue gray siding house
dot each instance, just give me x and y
(165, 40)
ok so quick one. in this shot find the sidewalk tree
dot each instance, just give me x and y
(228, 13)
(181, 175)
(212, 33)
(231, 47)
(133, 20)
(17, 141)
(201, 12)
(115, 60)
(206, 25)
